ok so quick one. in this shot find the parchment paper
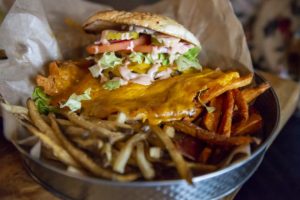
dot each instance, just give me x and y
(36, 32)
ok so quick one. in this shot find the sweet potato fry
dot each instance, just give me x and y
(210, 137)
(85, 160)
(218, 90)
(211, 120)
(252, 125)
(241, 104)
(249, 94)
(205, 154)
(176, 156)
(227, 114)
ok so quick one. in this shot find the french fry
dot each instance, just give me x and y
(169, 130)
(77, 131)
(211, 120)
(39, 122)
(242, 105)
(227, 114)
(86, 161)
(76, 171)
(176, 156)
(94, 128)
(107, 152)
(19, 112)
(15, 109)
(124, 155)
(210, 137)
(218, 90)
(253, 125)
(144, 165)
(58, 151)
(155, 141)
(64, 122)
(110, 125)
(249, 94)
(90, 144)
(155, 152)
(205, 154)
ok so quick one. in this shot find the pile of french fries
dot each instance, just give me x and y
(127, 150)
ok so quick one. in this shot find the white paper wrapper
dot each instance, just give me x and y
(36, 32)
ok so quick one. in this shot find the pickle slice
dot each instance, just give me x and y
(120, 35)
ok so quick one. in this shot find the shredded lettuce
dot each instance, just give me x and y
(137, 57)
(109, 60)
(188, 60)
(95, 70)
(192, 53)
(42, 101)
(163, 58)
(148, 59)
(74, 101)
(112, 84)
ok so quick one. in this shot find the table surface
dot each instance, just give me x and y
(16, 184)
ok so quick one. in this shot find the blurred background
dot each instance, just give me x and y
(272, 28)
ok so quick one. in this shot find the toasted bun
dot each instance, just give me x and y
(113, 18)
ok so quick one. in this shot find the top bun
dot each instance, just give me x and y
(111, 19)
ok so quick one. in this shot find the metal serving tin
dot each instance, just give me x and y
(214, 185)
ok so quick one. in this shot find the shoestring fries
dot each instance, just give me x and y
(120, 149)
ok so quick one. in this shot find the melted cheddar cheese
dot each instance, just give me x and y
(164, 100)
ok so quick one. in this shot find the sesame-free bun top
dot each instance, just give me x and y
(112, 18)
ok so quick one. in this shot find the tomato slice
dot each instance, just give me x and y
(143, 48)
(123, 45)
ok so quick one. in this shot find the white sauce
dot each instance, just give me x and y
(140, 29)
(164, 74)
(131, 46)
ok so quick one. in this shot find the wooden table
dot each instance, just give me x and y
(16, 184)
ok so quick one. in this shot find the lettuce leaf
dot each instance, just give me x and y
(163, 58)
(42, 101)
(137, 57)
(109, 60)
(188, 60)
(74, 101)
(112, 84)
(147, 58)
(95, 70)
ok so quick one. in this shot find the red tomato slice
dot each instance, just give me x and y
(95, 49)
(143, 48)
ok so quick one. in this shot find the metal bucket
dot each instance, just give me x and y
(214, 185)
